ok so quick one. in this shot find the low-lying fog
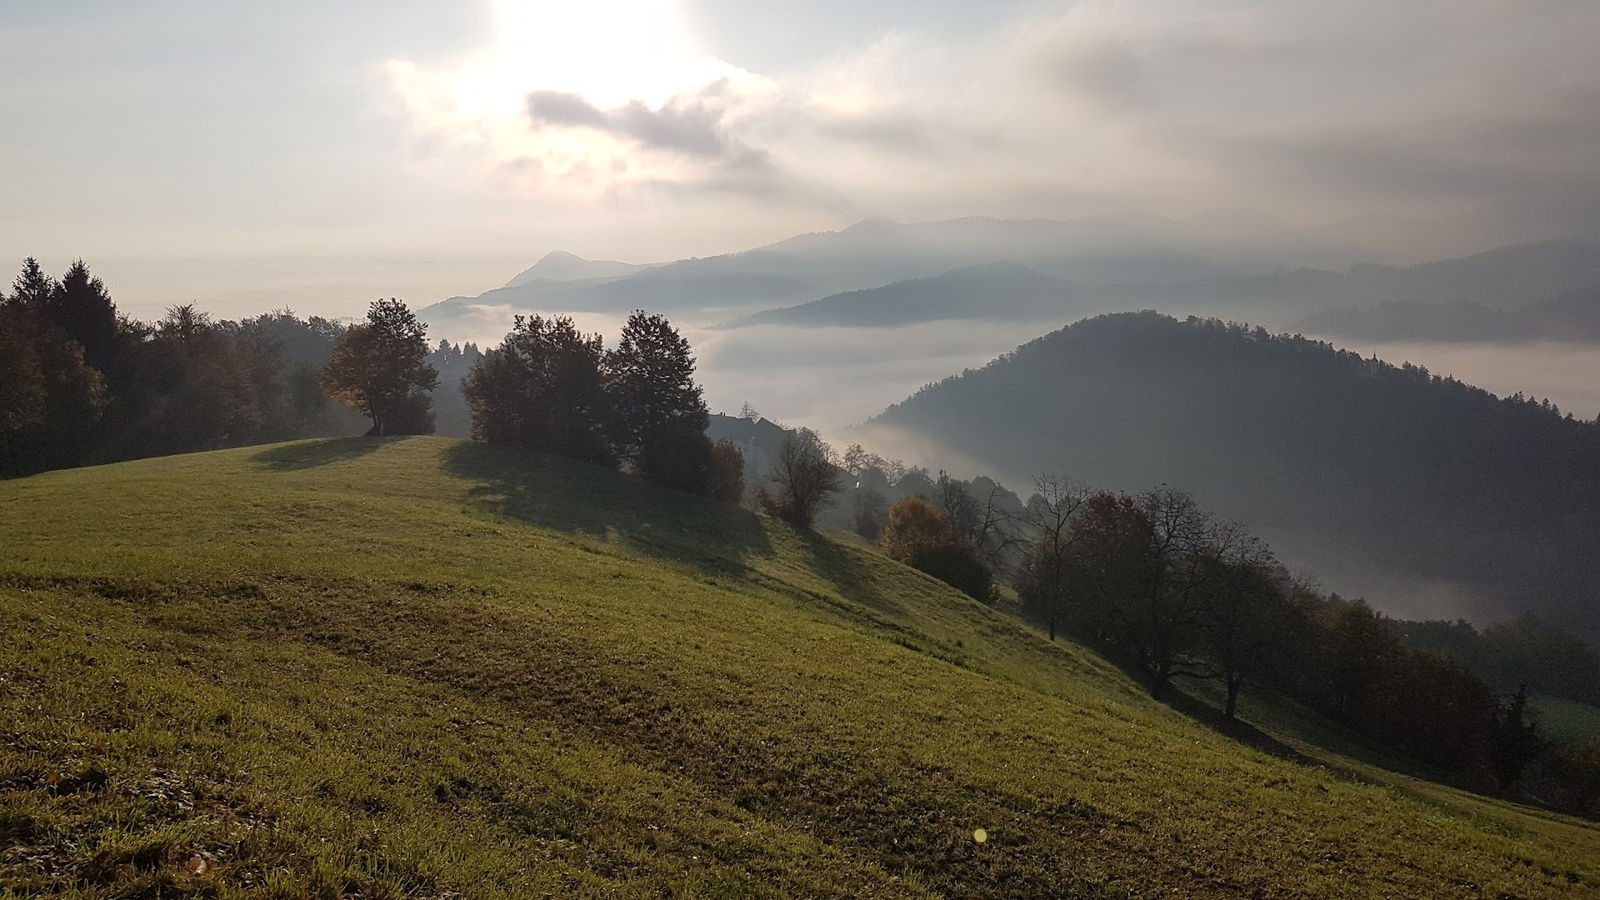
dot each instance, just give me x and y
(833, 378)
(823, 378)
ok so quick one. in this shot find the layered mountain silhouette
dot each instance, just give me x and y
(1395, 473)
(882, 274)
(870, 254)
(1458, 299)
(992, 291)
(1571, 317)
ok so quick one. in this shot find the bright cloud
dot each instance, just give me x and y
(583, 97)
(1310, 108)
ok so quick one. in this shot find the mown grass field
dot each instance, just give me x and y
(424, 668)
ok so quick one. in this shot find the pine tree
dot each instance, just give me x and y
(50, 400)
(1514, 740)
(80, 306)
(650, 379)
(33, 288)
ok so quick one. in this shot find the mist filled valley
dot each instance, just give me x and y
(695, 449)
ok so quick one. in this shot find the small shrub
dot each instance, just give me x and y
(678, 458)
(958, 567)
(915, 526)
(727, 472)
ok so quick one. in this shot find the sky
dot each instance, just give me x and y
(240, 154)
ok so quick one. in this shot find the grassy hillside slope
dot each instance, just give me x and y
(426, 668)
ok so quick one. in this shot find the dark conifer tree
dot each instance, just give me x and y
(654, 399)
(22, 386)
(1514, 741)
(33, 288)
(50, 399)
(82, 308)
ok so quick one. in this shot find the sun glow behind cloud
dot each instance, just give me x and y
(635, 57)
(609, 51)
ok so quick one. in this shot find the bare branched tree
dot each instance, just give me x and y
(1180, 534)
(804, 476)
(1046, 521)
(995, 539)
(1243, 600)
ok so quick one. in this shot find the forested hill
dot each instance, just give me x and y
(1390, 468)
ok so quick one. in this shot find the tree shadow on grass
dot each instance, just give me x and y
(1181, 700)
(1184, 698)
(581, 499)
(1310, 729)
(1190, 699)
(842, 567)
(311, 454)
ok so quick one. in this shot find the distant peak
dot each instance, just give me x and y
(560, 266)
(870, 225)
(561, 256)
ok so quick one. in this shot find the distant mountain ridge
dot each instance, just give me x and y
(873, 272)
(1502, 278)
(1406, 476)
(740, 281)
(991, 291)
(561, 266)
(876, 253)
(1280, 297)
(1572, 317)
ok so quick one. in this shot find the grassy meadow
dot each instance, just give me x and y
(424, 668)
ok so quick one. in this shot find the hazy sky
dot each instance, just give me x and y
(455, 142)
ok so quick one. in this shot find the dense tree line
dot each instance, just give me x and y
(551, 388)
(1174, 592)
(1154, 578)
(1523, 652)
(1158, 582)
(80, 383)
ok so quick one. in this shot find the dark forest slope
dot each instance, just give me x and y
(1392, 467)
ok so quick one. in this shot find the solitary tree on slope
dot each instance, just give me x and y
(380, 367)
